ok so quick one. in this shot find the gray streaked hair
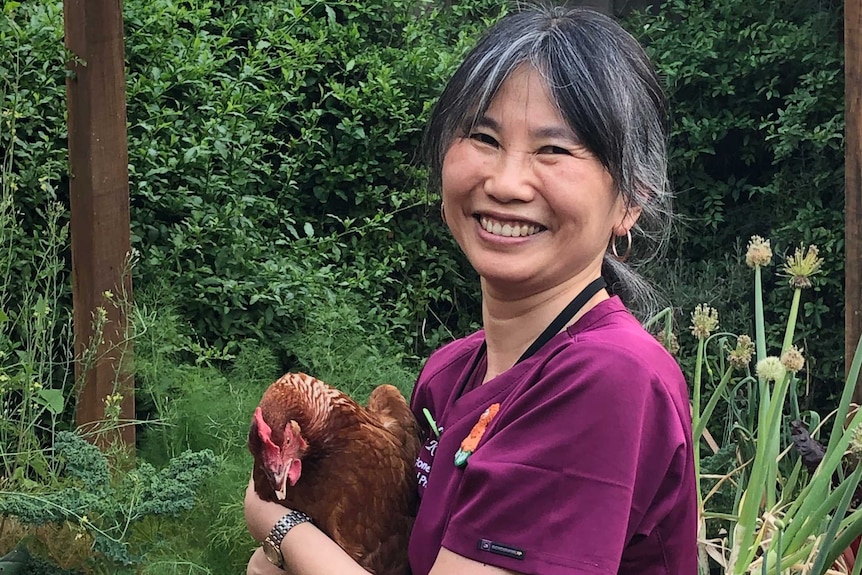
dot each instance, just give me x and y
(608, 93)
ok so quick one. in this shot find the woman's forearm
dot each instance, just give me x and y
(306, 549)
(309, 551)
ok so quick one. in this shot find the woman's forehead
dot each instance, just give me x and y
(525, 77)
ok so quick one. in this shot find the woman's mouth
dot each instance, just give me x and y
(508, 229)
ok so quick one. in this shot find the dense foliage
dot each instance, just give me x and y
(272, 151)
(106, 508)
(757, 102)
(272, 155)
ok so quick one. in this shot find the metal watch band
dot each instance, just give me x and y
(279, 530)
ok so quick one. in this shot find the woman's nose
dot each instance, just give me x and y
(512, 179)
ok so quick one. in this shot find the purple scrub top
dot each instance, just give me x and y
(586, 468)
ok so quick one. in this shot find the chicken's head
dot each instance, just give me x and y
(282, 461)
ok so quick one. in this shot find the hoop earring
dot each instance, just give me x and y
(627, 253)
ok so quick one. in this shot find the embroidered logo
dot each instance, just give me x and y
(425, 457)
(468, 446)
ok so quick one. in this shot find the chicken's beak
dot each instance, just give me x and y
(288, 473)
(279, 483)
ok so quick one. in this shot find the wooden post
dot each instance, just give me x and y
(99, 197)
(853, 181)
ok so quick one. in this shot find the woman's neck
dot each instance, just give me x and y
(512, 324)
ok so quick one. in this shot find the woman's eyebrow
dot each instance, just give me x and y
(556, 132)
(486, 122)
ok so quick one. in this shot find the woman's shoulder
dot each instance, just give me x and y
(453, 352)
(610, 330)
(610, 346)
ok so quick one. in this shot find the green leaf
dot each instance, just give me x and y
(309, 229)
(51, 399)
(41, 308)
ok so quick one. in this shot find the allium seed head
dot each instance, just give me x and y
(855, 446)
(770, 369)
(802, 265)
(704, 320)
(669, 342)
(792, 360)
(740, 356)
(759, 253)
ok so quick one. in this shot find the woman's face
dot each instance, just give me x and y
(532, 209)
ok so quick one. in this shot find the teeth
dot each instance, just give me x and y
(508, 230)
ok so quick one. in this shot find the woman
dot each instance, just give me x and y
(559, 436)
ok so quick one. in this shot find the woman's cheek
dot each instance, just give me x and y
(463, 167)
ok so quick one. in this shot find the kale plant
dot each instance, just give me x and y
(104, 502)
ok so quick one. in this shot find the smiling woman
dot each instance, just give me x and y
(546, 145)
(521, 192)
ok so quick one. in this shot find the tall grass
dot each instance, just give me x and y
(35, 377)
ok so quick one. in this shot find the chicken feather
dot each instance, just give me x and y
(347, 467)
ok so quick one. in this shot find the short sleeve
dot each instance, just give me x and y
(572, 468)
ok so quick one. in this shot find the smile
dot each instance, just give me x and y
(509, 230)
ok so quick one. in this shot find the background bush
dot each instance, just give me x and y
(272, 150)
(757, 147)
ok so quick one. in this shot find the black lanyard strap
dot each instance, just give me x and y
(553, 328)
(564, 317)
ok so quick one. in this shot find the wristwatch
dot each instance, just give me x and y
(272, 543)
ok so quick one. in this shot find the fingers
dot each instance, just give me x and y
(260, 515)
(259, 565)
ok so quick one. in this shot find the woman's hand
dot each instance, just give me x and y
(260, 565)
(307, 550)
(260, 515)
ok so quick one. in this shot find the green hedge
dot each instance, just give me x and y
(272, 149)
(757, 99)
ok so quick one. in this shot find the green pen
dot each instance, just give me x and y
(431, 421)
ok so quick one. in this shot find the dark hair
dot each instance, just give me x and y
(606, 90)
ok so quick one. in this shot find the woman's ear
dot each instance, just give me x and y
(628, 221)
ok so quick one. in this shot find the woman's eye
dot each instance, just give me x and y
(554, 150)
(483, 138)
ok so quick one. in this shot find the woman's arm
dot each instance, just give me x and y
(306, 549)
(309, 551)
(260, 565)
(448, 563)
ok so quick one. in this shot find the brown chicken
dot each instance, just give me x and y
(347, 467)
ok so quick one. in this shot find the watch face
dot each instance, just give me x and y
(273, 554)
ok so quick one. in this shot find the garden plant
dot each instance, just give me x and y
(790, 503)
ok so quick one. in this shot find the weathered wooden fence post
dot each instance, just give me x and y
(853, 180)
(99, 190)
